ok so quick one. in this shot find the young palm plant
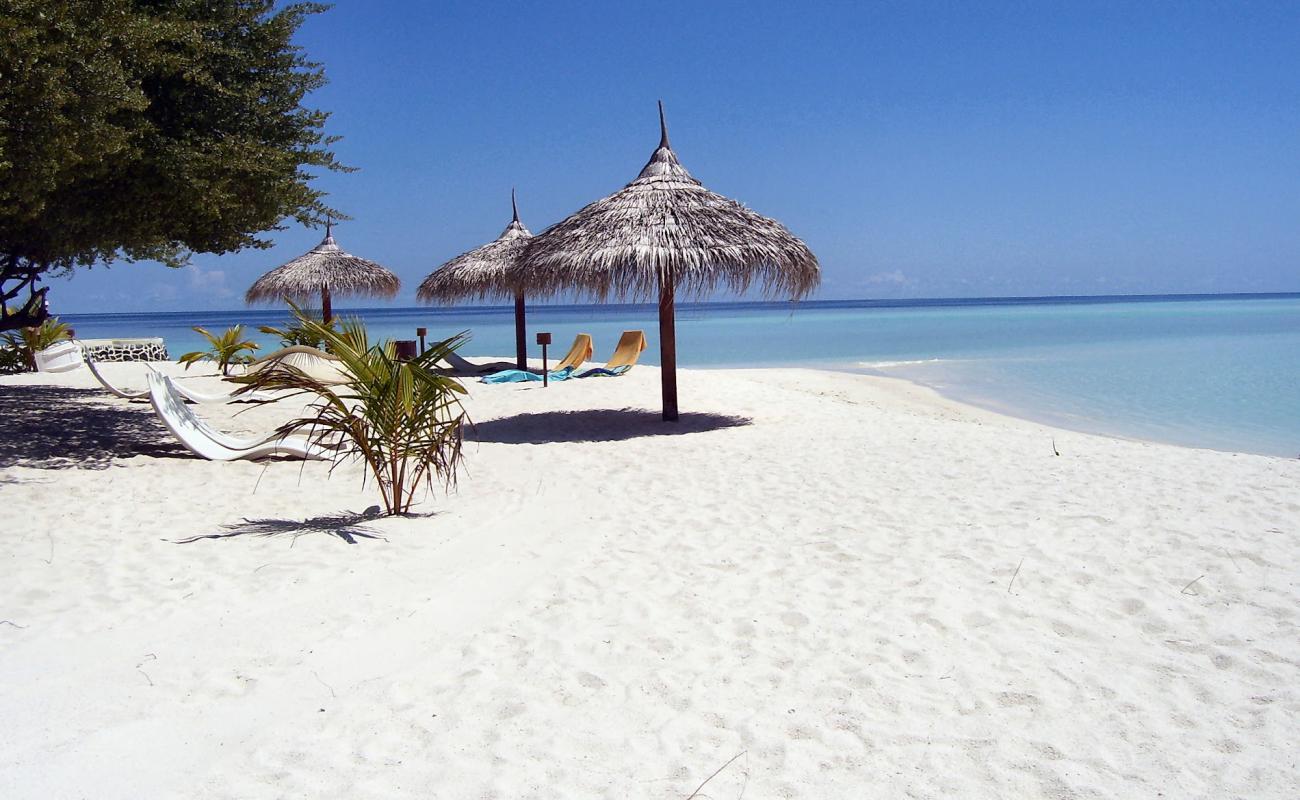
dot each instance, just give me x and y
(402, 418)
(225, 349)
(294, 334)
(27, 342)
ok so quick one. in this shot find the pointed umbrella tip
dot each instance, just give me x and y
(663, 128)
(513, 205)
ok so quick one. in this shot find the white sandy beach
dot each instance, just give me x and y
(862, 589)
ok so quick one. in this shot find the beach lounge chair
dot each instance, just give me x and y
(220, 397)
(578, 354)
(626, 354)
(314, 363)
(205, 441)
(461, 366)
(125, 394)
(187, 393)
(59, 357)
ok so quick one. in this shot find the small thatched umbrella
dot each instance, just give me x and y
(486, 272)
(663, 232)
(325, 270)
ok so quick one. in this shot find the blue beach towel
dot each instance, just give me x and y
(523, 375)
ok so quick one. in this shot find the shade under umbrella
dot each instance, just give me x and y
(661, 233)
(326, 271)
(487, 271)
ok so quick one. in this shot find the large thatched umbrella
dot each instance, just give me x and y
(486, 272)
(326, 270)
(665, 232)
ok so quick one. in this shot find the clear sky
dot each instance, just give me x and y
(920, 150)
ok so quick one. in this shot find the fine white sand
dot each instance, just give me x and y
(860, 588)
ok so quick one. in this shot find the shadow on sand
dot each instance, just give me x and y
(57, 427)
(346, 526)
(596, 425)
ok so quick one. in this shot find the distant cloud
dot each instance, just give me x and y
(209, 281)
(163, 293)
(895, 278)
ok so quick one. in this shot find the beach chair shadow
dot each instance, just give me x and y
(57, 427)
(597, 425)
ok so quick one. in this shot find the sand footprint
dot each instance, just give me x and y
(591, 681)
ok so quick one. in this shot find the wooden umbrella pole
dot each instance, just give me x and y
(521, 335)
(326, 311)
(668, 344)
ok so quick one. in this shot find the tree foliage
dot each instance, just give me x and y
(144, 129)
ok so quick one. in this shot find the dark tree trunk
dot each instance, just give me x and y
(668, 345)
(521, 333)
(16, 276)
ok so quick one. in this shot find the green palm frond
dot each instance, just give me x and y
(402, 418)
(225, 349)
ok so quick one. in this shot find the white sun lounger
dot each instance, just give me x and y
(59, 357)
(200, 397)
(205, 441)
(125, 394)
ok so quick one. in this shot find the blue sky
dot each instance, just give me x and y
(921, 150)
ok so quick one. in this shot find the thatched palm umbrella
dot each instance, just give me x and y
(326, 270)
(486, 272)
(665, 232)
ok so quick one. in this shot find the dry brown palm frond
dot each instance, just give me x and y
(325, 266)
(666, 221)
(483, 272)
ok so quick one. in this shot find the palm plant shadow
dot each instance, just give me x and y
(346, 525)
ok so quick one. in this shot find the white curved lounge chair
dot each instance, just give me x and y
(205, 441)
(200, 397)
(314, 363)
(125, 394)
(59, 357)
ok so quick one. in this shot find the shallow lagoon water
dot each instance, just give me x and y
(1205, 371)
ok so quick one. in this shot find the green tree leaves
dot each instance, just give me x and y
(143, 130)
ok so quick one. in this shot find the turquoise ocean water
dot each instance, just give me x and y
(1206, 371)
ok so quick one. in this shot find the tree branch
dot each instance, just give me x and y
(17, 275)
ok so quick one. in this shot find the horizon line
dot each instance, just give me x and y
(990, 300)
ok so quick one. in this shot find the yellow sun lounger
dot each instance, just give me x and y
(626, 354)
(577, 355)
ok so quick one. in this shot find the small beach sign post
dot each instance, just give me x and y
(662, 234)
(325, 271)
(485, 272)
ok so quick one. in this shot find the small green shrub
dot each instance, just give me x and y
(226, 349)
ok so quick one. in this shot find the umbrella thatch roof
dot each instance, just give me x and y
(666, 223)
(482, 272)
(325, 267)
